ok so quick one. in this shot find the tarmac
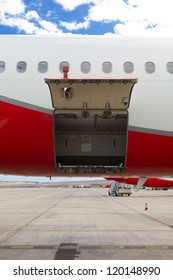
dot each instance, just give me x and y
(63, 223)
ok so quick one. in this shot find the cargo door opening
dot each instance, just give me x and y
(90, 124)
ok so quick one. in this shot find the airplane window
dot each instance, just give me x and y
(149, 67)
(128, 67)
(62, 64)
(43, 67)
(21, 66)
(2, 66)
(170, 67)
(107, 67)
(85, 67)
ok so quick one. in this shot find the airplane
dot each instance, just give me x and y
(86, 106)
(150, 183)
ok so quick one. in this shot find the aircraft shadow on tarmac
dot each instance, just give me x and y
(67, 251)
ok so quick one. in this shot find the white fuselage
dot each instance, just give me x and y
(152, 98)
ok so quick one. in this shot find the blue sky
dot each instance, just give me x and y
(93, 17)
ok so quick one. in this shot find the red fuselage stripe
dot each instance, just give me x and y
(27, 146)
(149, 154)
(26, 137)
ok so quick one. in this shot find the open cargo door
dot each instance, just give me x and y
(90, 123)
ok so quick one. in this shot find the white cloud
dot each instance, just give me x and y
(32, 15)
(26, 26)
(12, 7)
(72, 4)
(21, 24)
(136, 16)
(152, 10)
(13, 14)
(136, 28)
(74, 25)
(48, 26)
(110, 10)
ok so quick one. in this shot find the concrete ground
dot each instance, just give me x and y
(45, 223)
